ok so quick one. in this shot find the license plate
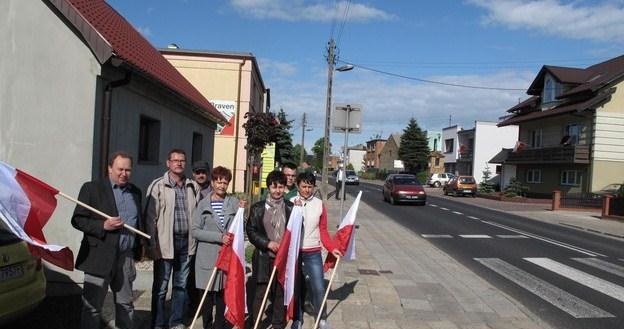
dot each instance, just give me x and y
(11, 272)
(467, 191)
(412, 196)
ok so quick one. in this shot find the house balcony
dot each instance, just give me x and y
(569, 154)
(465, 156)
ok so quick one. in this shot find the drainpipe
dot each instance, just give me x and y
(236, 134)
(105, 120)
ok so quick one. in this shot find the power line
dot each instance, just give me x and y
(345, 17)
(430, 81)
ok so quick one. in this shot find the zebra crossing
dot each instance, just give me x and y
(565, 301)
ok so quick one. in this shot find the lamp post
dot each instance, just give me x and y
(331, 63)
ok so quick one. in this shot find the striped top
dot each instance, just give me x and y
(217, 207)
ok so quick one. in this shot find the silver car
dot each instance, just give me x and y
(437, 180)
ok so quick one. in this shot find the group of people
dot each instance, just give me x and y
(188, 220)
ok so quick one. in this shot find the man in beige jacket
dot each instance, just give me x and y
(171, 200)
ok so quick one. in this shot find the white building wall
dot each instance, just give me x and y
(489, 140)
(47, 97)
(356, 159)
(450, 158)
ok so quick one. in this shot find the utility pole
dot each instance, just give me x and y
(331, 62)
(303, 129)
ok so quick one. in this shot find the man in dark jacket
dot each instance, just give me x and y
(265, 228)
(107, 250)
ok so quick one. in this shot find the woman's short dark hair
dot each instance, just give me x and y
(221, 172)
(306, 177)
(276, 177)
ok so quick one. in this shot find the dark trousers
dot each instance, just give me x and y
(214, 299)
(338, 188)
(277, 309)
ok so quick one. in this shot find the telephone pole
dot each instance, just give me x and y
(331, 62)
(303, 129)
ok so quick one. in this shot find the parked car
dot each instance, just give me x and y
(352, 178)
(404, 188)
(611, 189)
(461, 185)
(22, 282)
(437, 180)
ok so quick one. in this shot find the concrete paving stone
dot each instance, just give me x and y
(411, 324)
(358, 325)
(384, 324)
(444, 324)
(416, 304)
(475, 326)
(423, 315)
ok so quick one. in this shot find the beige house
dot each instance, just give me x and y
(390, 153)
(571, 129)
(233, 84)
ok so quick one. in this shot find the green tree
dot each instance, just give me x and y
(414, 148)
(515, 188)
(486, 187)
(317, 150)
(350, 166)
(260, 130)
(283, 140)
(296, 153)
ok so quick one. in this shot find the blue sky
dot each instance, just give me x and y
(479, 43)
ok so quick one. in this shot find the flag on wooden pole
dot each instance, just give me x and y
(26, 205)
(287, 258)
(231, 261)
(344, 239)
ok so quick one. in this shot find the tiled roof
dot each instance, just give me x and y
(98, 19)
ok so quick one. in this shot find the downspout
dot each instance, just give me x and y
(236, 134)
(105, 120)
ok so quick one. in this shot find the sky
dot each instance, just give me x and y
(443, 62)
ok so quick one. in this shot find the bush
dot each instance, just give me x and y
(515, 188)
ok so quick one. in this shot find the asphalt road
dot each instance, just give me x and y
(570, 279)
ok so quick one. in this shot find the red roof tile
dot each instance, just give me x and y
(128, 44)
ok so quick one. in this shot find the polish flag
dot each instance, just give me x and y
(231, 261)
(287, 257)
(344, 240)
(26, 205)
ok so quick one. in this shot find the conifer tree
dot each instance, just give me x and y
(283, 140)
(414, 148)
(486, 187)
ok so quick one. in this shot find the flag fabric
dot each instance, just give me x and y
(519, 147)
(344, 239)
(231, 261)
(287, 258)
(26, 205)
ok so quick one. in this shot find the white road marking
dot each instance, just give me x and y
(551, 241)
(473, 217)
(457, 213)
(507, 236)
(433, 205)
(475, 236)
(561, 299)
(444, 208)
(588, 280)
(602, 265)
(436, 236)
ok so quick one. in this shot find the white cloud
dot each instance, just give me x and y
(276, 68)
(388, 103)
(296, 10)
(145, 31)
(601, 22)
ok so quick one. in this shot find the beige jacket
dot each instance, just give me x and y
(160, 204)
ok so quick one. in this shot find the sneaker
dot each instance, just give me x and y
(178, 326)
(324, 325)
(297, 324)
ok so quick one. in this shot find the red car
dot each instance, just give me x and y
(404, 188)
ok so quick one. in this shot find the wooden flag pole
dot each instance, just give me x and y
(331, 279)
(82, 204)
(201, 302)
(266, 294)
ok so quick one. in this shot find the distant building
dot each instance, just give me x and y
(233, 84)
(390, 153)
(450, 148)
(434, 138)
(373, 150)
(356, 157)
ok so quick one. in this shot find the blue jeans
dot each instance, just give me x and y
(311, 266)
(180, 266)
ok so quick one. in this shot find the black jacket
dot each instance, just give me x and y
(261, 262)
(98, 249)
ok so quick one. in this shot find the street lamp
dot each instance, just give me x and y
(331, 62)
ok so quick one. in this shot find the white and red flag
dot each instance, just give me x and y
(26, 205)
(231, 260)
(287, 258)
(344, 239)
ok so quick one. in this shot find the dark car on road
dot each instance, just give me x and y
(404, 188)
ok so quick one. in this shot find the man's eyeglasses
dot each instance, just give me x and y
(178, 161)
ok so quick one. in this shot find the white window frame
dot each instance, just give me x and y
(537, 138)
(534, 176)
(570, 178)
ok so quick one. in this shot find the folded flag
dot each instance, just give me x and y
(287, 257)
(26, 205)
(231, 261)
(344, 240)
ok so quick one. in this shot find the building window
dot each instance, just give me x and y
(537, 139)
(149, 140)
(572, 134)
(437, 162)
(549, 90)
(198, 143)
(570, 177)
(448, 145)
(534, 176)
(435, 144)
